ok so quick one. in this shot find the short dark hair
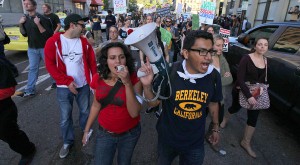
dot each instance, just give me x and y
(190, 39)
(103, 66)
(113, 26)
(297, 6)
(33, 2)
(109, 11)
(47, 5)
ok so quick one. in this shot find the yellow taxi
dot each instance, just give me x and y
(17, 40)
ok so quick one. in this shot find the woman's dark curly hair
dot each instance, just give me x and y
(103, 69)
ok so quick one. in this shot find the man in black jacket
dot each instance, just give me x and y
(38, 29)
(110, 20)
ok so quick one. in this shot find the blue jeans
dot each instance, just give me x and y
(106, 146)
(65, 100)
(166, 154)
(171, 56)
(34, 57)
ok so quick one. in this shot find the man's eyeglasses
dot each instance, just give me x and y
(77, 23)
(204, 52)
(168, 21)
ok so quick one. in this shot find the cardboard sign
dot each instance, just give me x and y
(225, 33)
(120, 6)
(207, 12)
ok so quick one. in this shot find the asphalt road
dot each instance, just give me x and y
(276, 140)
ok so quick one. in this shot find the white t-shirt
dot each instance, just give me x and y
(72, 57)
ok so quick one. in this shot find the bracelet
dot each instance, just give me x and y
(217, 131)
(86, 131)
(216, 124)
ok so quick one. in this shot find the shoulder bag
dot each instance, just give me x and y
(260, 92)
(110, 96)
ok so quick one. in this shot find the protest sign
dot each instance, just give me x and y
(179, 8)
(195, 19)
(166, 36)
(120, 6)
(149, 10)
(225, 33)
(207, 12)
(163, 11)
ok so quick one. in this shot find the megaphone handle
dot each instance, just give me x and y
(142, 74)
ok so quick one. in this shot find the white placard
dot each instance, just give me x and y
(120, 6)
(225, 33)
(244, 5)
(1, 3)
(207, 12)
(179, 8)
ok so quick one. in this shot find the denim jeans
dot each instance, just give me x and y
(106, 146)
(171, 56)
(166, 154)
(34, 57)
(65, 100)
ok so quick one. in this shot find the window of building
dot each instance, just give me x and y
(264, 32)
(289, 41)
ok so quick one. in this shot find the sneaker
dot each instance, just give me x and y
(64, 151)
(26, 160)
(53, 86)
(25, 94)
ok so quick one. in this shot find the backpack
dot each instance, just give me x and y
(248, 25)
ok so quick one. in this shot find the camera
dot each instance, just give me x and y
(120, 68)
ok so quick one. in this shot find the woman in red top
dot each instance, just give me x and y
(119, 127)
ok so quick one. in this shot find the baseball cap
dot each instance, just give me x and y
(74, 18)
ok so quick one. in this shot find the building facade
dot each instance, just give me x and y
(261, 11)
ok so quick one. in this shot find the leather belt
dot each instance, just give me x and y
(116, 134)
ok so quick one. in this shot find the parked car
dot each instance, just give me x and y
(283, 62)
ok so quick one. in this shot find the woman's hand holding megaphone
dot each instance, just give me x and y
(147, 69)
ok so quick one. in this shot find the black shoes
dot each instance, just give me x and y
(53, 86)
(26, 160)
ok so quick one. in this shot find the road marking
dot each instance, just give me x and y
(48, 89)
(21, 62)
(40, 80)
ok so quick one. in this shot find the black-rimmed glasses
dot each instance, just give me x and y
(77, 23)
(204, 52)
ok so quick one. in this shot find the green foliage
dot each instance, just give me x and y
(105, 2)
(132, 5)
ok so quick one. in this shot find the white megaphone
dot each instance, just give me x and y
(144, 38)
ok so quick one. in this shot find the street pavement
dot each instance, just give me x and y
(276, 140)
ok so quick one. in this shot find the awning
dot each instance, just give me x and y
(94, 2)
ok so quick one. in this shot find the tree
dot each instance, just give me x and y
(105, 6)
(132, 6)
